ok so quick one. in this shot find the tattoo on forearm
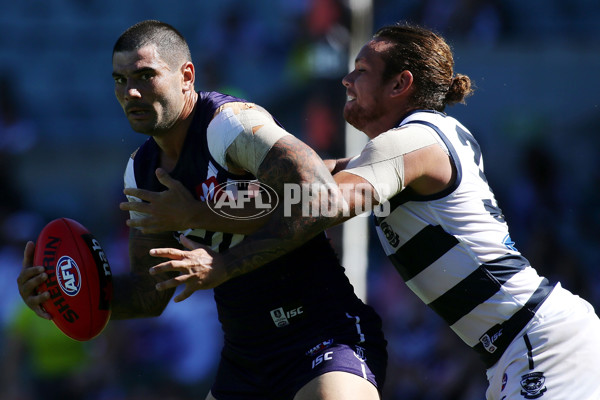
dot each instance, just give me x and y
(135, 295)
(254, 259)
(289, 162)
(292, 162)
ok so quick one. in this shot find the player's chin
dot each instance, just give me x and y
(351, 116)
(347, 111)
(142, 126)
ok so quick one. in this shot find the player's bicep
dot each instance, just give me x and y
(291, 161)
(300, 177)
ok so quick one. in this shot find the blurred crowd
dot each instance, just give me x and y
(64, 144)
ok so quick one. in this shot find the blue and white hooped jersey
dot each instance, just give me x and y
(454, 250)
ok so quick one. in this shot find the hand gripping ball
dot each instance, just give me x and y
(79, 278)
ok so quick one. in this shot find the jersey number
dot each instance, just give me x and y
(468, 140)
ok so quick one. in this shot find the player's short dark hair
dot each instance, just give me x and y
(170, 43)
(429, 58)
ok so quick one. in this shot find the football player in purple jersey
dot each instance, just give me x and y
(293, 329)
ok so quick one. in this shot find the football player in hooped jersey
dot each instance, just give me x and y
(293, 329)
(441, 226)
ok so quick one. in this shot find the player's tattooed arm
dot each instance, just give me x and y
(288, 162)
(135, 294)
(291, 168)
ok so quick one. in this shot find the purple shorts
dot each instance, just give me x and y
(280, 377)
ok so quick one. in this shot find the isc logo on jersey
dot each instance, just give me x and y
(68, 276)
(282, 318)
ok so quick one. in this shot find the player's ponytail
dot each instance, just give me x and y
(459, 89)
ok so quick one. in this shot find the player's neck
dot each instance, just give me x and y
(172, 142)
(189, 104)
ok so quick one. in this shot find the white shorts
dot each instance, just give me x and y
(556, 356)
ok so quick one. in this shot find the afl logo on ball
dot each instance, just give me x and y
(68, 276)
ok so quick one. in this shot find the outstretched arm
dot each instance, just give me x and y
(349, 196)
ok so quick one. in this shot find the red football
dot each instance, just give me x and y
(79, 278)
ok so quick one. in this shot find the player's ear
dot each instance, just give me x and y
(189, 75)
(401, 83)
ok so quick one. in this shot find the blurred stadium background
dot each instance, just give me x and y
(64, 144)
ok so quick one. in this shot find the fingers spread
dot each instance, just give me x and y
(170, 266)
(145, 224)
(187, 292)
(171, 283)
(189, 243)
(164, 178)
(174, 254)
(140, 194)
(135, 206)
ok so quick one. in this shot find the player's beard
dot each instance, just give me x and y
(359, 116)
(168, 119)
(160, 121)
